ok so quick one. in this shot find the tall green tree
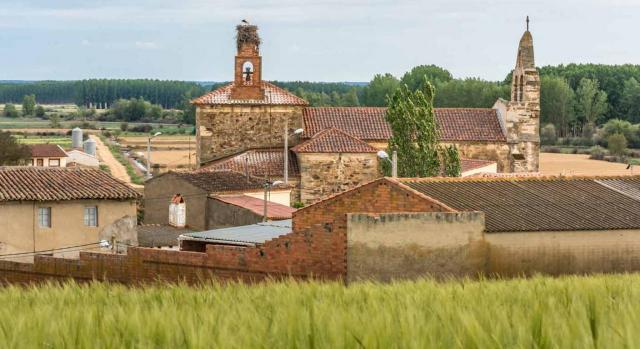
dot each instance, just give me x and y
(557, 104)
(13, 153)
(630, 100)
(415, 134)
(379, 89)
(591, 102)
(10, 111)
(29, 105)
(416, 78)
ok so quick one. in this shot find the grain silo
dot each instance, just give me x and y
(90, 146)
(76, 138)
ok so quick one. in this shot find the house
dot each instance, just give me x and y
(61, 210)
(214, 199)
(245, 124)
(47, 155)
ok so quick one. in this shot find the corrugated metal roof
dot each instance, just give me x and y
(243, 235)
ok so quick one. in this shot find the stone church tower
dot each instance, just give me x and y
(521, 115)
(247, 114)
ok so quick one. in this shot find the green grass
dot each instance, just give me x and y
(570, 312)
(63, 141)
(117, 153)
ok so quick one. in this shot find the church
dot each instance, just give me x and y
(246, 125)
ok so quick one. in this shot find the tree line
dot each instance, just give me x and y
(101, 93)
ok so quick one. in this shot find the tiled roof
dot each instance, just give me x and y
(275, 211)
(259, 163)
(246, 235)
(56, 184)
(333, 140)
(454, 124)
(157, 235)
(46, 151)
(274, 95)
(538, 203)
(220, 181)
(472, 164)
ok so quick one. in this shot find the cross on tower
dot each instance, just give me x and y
(527, 23)
(247, 74)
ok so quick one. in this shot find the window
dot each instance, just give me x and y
(54, 162)
(32, 162)
(44, 217)
(91, 216)
(40, 162)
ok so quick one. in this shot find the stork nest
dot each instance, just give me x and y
(247, 34)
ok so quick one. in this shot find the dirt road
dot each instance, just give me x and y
(116, 168)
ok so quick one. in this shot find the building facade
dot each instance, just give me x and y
(62, 211)
(252, 115)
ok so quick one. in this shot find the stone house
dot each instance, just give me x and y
(47, 155)
(213, 199)
(52, 209)
(251, 116)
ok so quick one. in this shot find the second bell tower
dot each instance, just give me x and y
(248, 64)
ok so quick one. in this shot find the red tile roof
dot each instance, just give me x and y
(274, 95)
(366, 123)
(275, 211)
(57, 184)
(259, 163)
(472, 164)
(46, 151)
(333, 140)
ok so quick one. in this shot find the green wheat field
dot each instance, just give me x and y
(568, 312)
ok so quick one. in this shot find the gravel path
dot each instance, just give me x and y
(116, 168)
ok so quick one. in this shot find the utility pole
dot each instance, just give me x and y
(286, 152)
(394, 164)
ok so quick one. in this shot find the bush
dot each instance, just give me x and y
(597, 153)
(142, 128)
(124, 126)
(40, 112)
(617, 144)
(548, 149)
(10, 111)
(548, 134)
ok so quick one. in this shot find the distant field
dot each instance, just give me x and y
(63, 141)
(169, 151)
(567, 312)
(577, 164)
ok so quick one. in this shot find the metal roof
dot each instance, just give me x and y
(246, 235)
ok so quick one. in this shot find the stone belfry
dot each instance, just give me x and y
(523, 111)
(248, 64)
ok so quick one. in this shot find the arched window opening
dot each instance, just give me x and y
(521, 88)
(247, 73)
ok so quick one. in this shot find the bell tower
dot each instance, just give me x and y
(247, 82)
(523, 111)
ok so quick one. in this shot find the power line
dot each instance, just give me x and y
(49, 250)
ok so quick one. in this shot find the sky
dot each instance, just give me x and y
(315, 40)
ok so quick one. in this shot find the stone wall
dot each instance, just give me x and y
(498, 152)
(325, 174)
(222, 215)
(411, 245)
(223, 130)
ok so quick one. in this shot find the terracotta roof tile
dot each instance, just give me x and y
(333, 140)
(274, 95)
(259, 162)
(275, 211)
(472, 164)
(57, 184)
(366, 123)
(46, 151)
(539, 203)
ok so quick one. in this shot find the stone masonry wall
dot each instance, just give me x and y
(498, 152)
(523, 124)
(223, 130)
(325, 174)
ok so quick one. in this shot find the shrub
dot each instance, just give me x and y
(40, 112)
(142, 128)
(548, 134)
(10, 111)
(597, 153)
(124, 126)
(548, 149)
(617, 144)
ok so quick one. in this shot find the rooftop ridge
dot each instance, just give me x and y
(323, 134)
(518, 178)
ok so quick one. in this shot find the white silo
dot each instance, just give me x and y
(76, 138)
(90, 147)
